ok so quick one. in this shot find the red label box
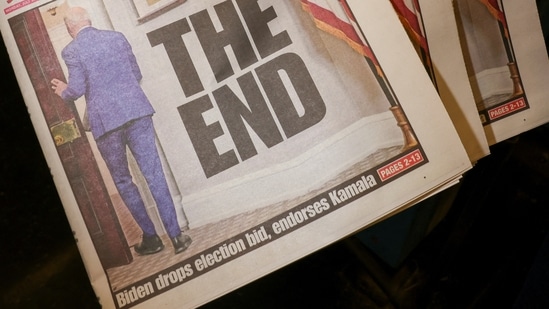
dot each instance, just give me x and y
(400, 165)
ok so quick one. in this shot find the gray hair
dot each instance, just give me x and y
(77, 16)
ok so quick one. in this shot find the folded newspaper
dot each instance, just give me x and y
(504, 56)
(199, 145)
(432, 28)
(507, 62)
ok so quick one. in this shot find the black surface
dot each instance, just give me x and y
(491, 251)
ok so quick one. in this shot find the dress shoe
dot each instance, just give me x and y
(149, 245)
(181, 243)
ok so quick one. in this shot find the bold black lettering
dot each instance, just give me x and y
(202, 137)
(257, 22)
(213, 42)
(258, 116)
(170, 37)
(314, 108)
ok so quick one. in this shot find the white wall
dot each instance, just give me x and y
(345, 82)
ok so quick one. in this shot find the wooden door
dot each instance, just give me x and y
(73, 148)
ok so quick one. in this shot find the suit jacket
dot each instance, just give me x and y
(103, 69)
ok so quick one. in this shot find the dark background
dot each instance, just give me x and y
(490, 251)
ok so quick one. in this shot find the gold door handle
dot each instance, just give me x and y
(65, 132)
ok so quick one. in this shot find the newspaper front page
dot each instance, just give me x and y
(507, 62)
(432, 29)
(199, 145)
(504, 56)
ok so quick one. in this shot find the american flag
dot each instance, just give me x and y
(334, 17)
(410, 15)
(495, 10)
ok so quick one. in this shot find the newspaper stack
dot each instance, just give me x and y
(505, 61)
(258, 131)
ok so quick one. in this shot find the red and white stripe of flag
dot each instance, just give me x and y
(410, 15)
(496, 11)
(333, 16)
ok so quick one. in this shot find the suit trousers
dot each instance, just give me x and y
(138, 136)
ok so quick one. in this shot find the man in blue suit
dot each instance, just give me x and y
(103, 69)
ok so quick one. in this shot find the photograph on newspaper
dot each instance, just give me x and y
(490, 59)
(212, 144)
(432, 30)
(505, 57)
